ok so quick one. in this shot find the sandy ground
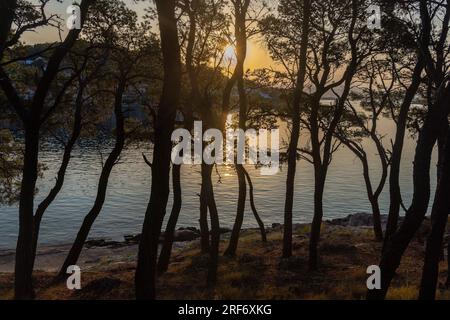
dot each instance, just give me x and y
(50, 258)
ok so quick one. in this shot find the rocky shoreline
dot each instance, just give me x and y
(186, 234)
(100, 251)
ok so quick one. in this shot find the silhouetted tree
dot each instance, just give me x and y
(287, 37)
(436, 114)
(339, 41)
(376, 101)
(148, 246)
(441, 208)
(130, 45)
(409, 64)
(83, 77)
(205, 31)
(31, 114)
(245, 13)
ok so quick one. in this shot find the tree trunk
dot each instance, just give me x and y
(240, 12)
(377, 228)
(447, 283)
(289, 200)
(442, 140)
(234, 239)
(253, 206)
(77, 246)
(215, 225)
(23, 268)
(321, 164)
(164, 256)
(396, 157)
(441, 208)
(204, 228)
(295, 135)
(145, 280)
(317, 220)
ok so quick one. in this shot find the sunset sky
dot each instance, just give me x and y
(257, 56)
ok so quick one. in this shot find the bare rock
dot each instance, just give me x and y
(92, 243)
(360, 219)
(185, 235)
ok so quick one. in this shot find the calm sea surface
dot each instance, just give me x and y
(129, 191)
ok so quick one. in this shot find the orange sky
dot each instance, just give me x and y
(257, 56)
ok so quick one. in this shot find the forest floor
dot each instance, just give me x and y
(257, 272)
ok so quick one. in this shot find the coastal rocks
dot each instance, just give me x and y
(366, 220)
(360, 219)
(180, 235)
(101, 243)
(186, 235)
(132, 239)
(222, 230)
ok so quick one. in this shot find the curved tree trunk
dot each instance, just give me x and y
(166, 250)
(442, 141)
(23, 272)
(240, 31)
(234, 239)
(43, 206)
(204, 228)
(447, 283)
(253, 206)
(441, 208)
(376, 214)
(377, 228)
(215, 226)
(77, 246)
(396, 157)
(317, 221)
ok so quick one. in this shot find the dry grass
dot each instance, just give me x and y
(257, 272)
